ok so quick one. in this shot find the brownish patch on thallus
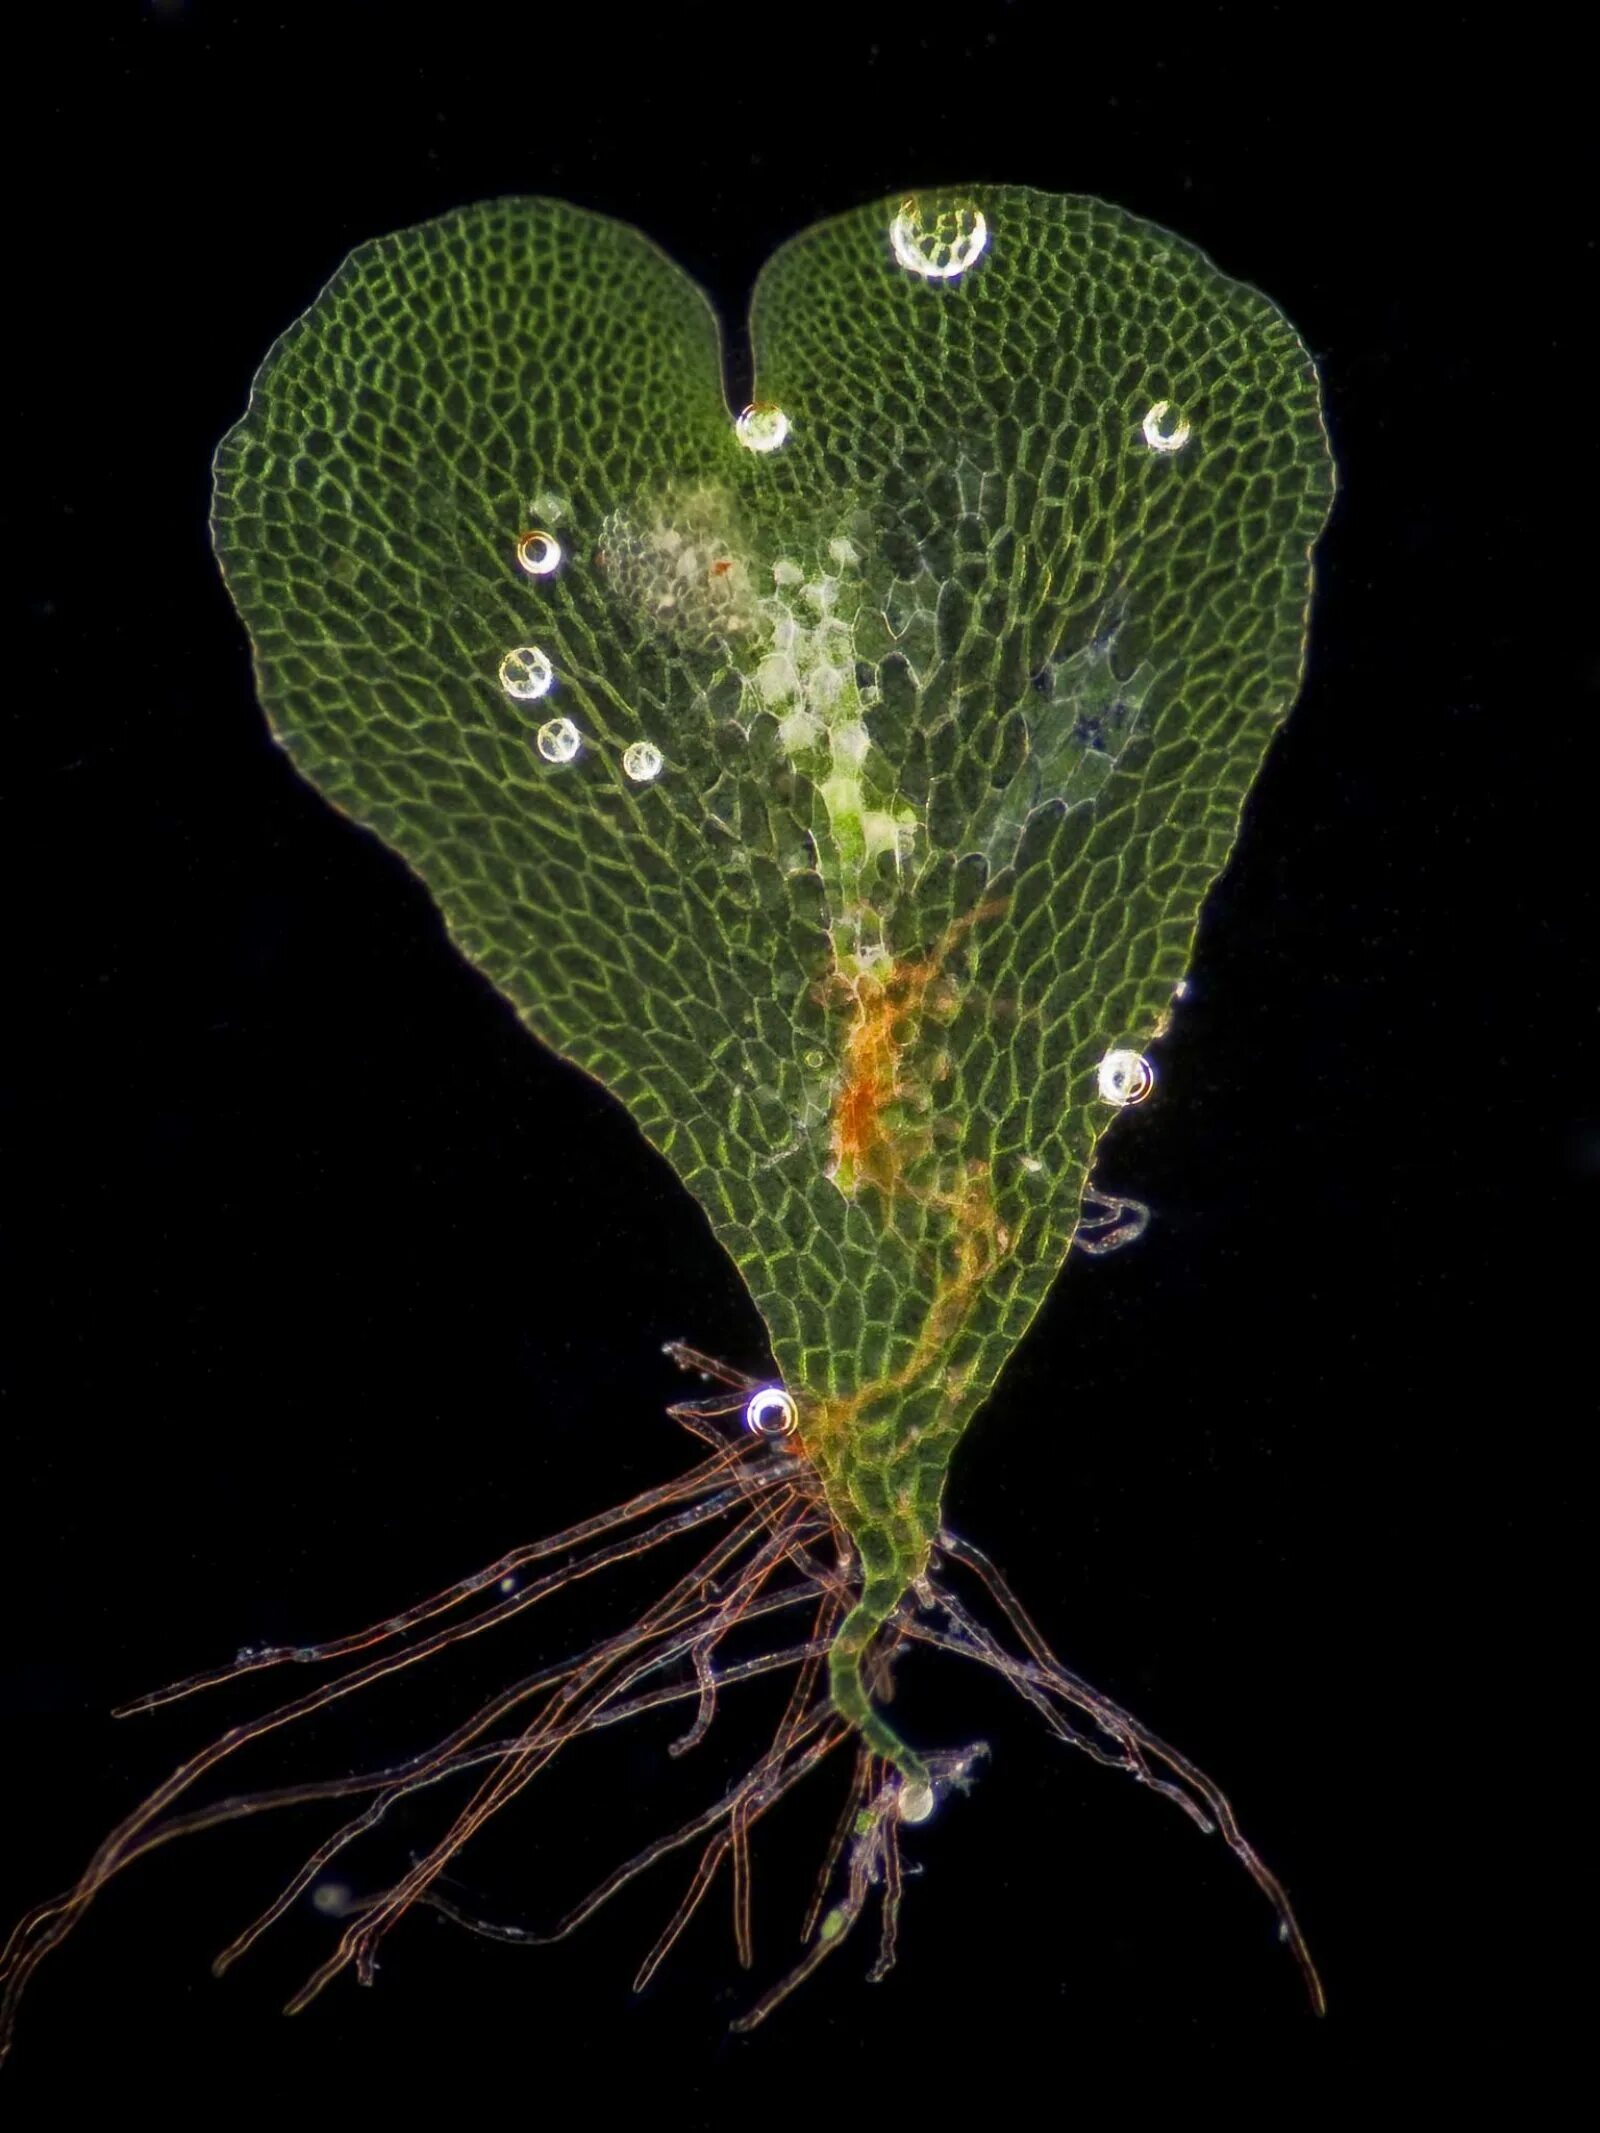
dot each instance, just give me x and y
(861, 1145)
(975, 1245)
(867, 1142)
(876, 1136)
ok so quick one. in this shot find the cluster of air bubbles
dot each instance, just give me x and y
(762, 427)
(938, 244)
(642, 761)
(1160, 439)
(1125, 1078)
(771, 1412)
(539, 553)
(526, 674)
(557, 740)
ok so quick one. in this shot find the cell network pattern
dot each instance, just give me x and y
(838, 781)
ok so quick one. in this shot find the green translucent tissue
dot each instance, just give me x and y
(838, 781)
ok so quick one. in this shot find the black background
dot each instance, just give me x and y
(331, 1284)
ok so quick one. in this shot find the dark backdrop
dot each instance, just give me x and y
(331, 1284)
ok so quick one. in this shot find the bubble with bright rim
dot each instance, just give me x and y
(1125, 1078)
(771, 1413)
(761, 428)
(938, 246)
(915, 1802)
(642, 761)
(539, 554)
(526, 674)
(557, 740)
(1160, 440)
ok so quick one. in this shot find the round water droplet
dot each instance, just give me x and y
(526, 674)
(557, 740)
(1161, 436)
(762, 427)
(539, 553)
(1125, 1078)
(642, 761)
(938, 243)
(772, 1413)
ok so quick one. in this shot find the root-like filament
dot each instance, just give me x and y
(770, 1552)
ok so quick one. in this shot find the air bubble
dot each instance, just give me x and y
(558, 740)
(642, 761)
(1164, 440)
(762, 427)
(915, 1801)
(526, 674)
(772, 1413)
(539, 553)
(940, 245)
(1125, 1078)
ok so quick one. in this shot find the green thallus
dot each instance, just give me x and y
(839, 784)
